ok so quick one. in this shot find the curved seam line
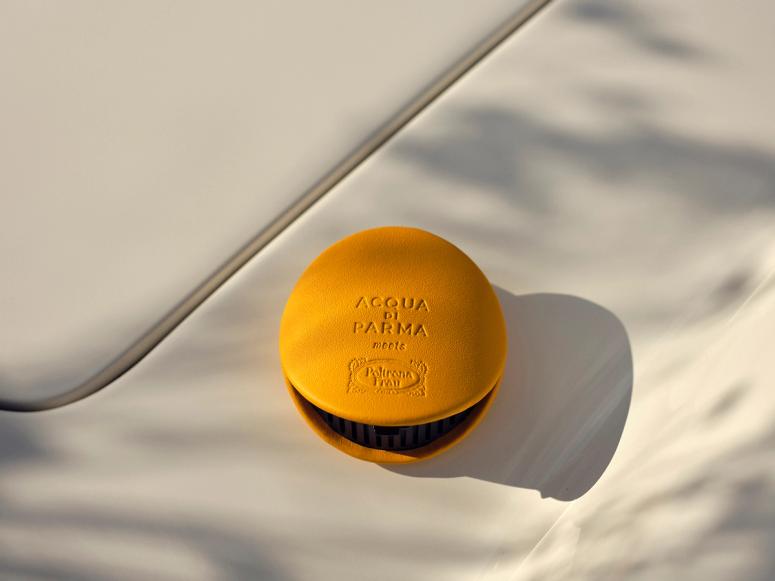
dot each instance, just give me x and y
(137, 351)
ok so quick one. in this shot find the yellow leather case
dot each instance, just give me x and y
(392, 344)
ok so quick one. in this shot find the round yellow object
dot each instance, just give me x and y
(392, 344)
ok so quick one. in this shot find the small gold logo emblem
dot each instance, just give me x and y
(387, 376)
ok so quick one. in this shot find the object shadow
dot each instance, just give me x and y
(562, 405)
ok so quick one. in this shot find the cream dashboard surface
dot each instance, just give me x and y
(610, 168)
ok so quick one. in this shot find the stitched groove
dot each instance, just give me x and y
(174, 317)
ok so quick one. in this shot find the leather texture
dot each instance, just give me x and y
(392, 326)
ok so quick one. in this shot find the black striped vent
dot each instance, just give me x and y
(392, 437)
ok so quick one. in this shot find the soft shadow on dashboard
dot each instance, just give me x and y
(562, 405)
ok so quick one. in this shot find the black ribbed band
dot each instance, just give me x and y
(392, 438)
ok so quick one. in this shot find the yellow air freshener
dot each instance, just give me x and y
(392, 344)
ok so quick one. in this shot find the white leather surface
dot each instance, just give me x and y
(144, 143)
(610, 169)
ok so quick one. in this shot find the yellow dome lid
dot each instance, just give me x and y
(392, 344)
